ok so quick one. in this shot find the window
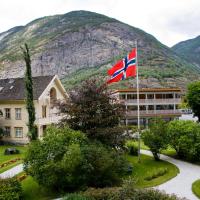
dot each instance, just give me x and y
(122, 96)
(131, 96)
(18, 113)
(7, 131)
(7, 113)
(44, 111)
(18, 132)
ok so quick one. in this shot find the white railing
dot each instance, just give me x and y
(154, 112)
(151, 101)
(51, 119)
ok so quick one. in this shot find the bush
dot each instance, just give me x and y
(184, 137)
(152, 194)
(156, 138)
(10, 189)
(111, 193)
(128, 192)
(66, 160)
(105, 166)
(158, 173)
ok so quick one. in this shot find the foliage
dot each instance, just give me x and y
(65, 160)
(159, 172)
(33, 191)
(91, 110)
(196, 188)
(155, 138)
(128, 192)
(29, 94)
(108, 193)
(55, 161)
(10, 189)
(184, 137)
(193, 98)
(105, 166)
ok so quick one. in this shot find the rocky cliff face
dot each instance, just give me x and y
(65, 44)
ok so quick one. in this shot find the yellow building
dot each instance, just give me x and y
(13, 114)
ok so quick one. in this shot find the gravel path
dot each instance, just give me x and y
(12, 172)
(181, 185)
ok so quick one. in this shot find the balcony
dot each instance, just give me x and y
(51, 119)
(153, 113)
(150, 101)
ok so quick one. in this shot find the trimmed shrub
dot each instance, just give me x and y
(158, 173)
(152, 194)
(110, 193)
(10, 189)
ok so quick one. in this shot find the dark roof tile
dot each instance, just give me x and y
(14, 89)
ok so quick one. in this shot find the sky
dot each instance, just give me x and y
(169, 21)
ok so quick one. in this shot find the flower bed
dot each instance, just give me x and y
(5, 164)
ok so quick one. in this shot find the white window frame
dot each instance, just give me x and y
(18, 132)
(18, 113)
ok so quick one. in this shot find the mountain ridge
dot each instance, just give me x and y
(66, 44)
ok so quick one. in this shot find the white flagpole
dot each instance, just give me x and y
(138, 102)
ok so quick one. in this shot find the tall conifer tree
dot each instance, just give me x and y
(29, 94)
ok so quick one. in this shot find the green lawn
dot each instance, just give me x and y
(32, 191)
(4, 158)
(196, 188)
(149, 167)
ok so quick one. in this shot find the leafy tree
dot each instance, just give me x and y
(65, 160)
(155, 137)
(184, 137)
(91, 110)
(29, 94)
(193, 98)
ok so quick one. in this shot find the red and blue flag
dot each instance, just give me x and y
(123, 68)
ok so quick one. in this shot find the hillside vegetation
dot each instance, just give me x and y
(81, 44)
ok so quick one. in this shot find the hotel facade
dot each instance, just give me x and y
(153, 102)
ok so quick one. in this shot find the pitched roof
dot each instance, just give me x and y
(14, 89)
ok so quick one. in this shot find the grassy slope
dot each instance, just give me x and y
(196, 188)
(148, 166)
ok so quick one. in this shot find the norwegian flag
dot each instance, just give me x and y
(124, 68)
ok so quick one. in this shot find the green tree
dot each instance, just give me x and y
(29, 94)
(155, 137)
(91, 110)
(184, 137)
(193, 98)
(65, 160)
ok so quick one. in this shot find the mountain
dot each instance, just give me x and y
(81, 44)
(190, 50)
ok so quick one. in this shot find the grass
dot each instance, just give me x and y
(5, 158)
(33, 191)
(149, 167)
(196, 188)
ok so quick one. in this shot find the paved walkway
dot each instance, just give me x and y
(181, 184)
(12, 172)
